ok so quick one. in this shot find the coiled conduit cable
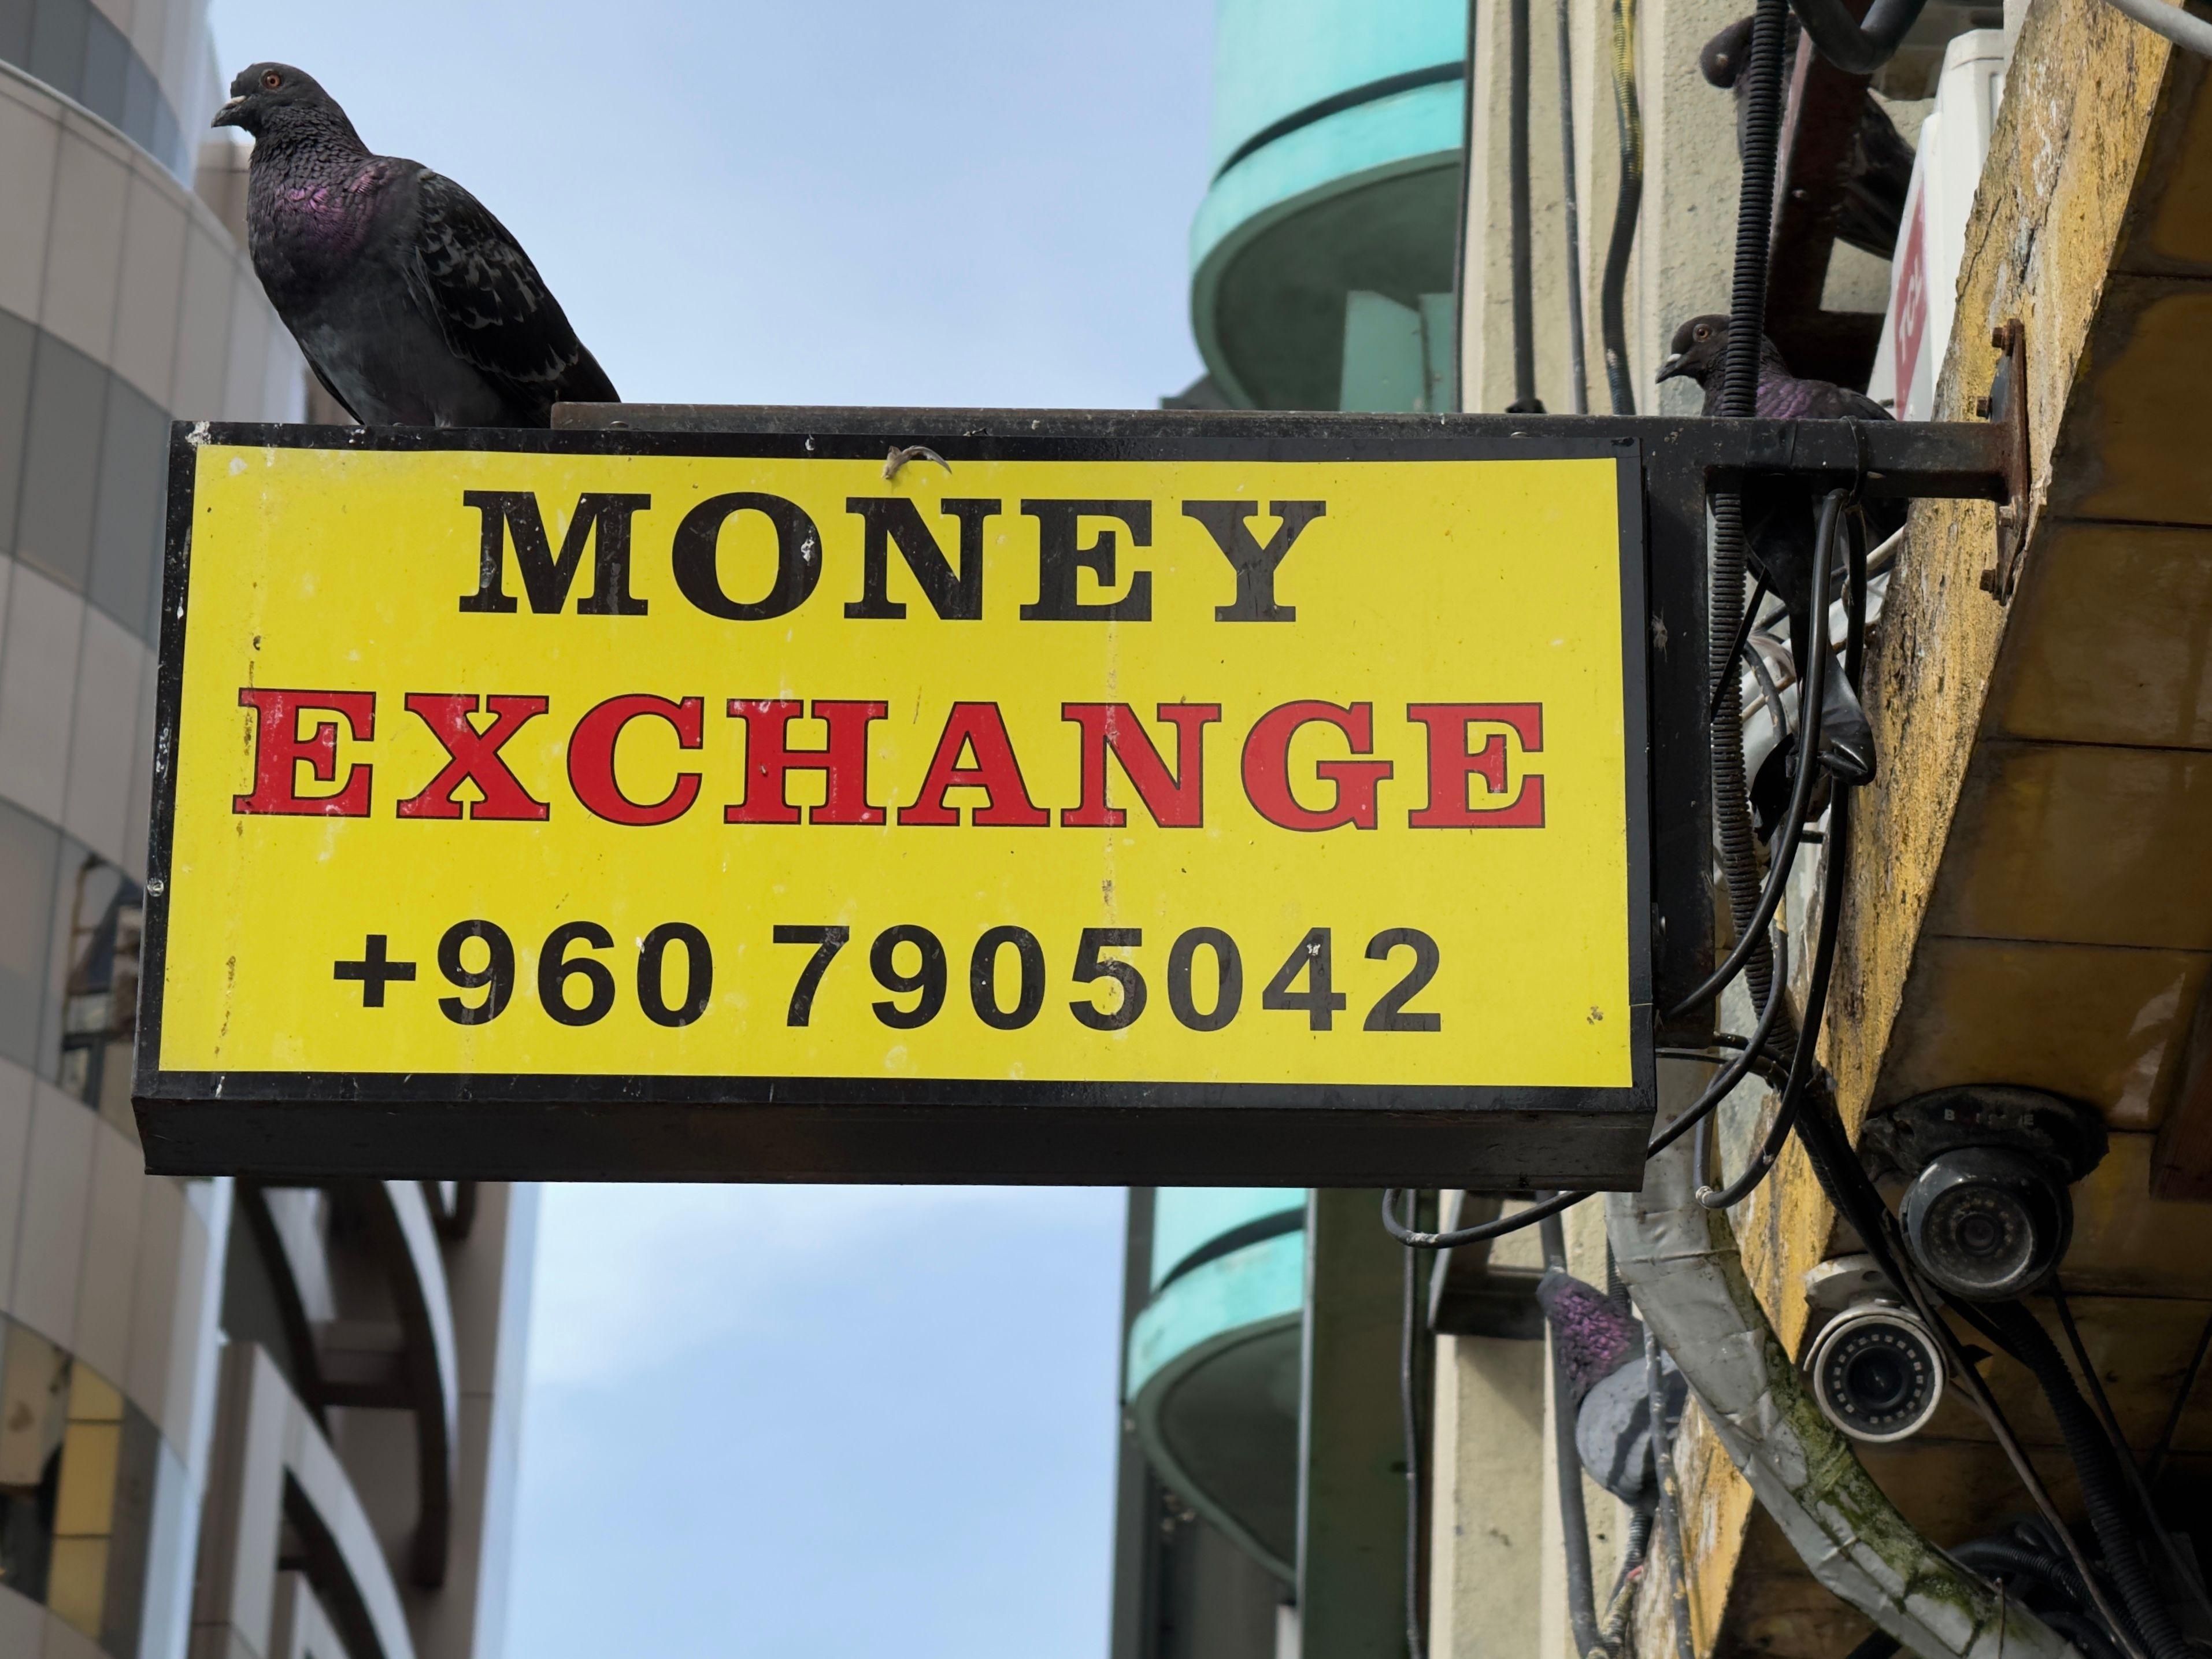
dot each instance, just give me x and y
(2102, 1495)
(1738, 398)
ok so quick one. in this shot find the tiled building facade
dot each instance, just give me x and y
(269, 1423)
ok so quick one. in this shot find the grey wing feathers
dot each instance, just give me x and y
(493, 307)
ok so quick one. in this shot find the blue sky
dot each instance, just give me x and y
(854, 1421)
(969, 202)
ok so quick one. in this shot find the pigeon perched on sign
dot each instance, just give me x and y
(1601, 1345)
(1779, 515)
(1699, 353)
(412, 304)
(1877, 169)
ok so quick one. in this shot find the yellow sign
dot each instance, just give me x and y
(586, 768)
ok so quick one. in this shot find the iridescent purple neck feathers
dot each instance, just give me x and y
(1597, 1336)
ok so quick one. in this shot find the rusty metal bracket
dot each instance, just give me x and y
(2007, 404)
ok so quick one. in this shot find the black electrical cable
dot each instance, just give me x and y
(1410, 1413)
(1520, 228)
(1743, 636)
(1751, 1055)
(1750, 951)
(2025, 1556)
(2083, 1363)
(1627, 204)
(1567, 1467)
(1854, 601)
(1577, 364)
(1775, 1070)
(1852, 1192)
(1754, 216)
(1809, 697)
(1724, 744)
(2122, 1454)
(1723, 1082)
(2012, 1558)
(1765, 1065)
(2083, 1632)
(1621, 1605)
(1451, 1241)
(2158, 1453)
(1816, 1003)
(1760, 136)
(1858, 46)
(2101, 1484)
(1960, 1366)
(1772, 693)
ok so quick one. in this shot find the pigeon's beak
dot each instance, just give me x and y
(228, 115)
(1671, 366)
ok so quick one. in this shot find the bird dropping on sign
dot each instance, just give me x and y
(1091, 806)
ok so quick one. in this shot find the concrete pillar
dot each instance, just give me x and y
(1486, 1526)
(1351, 1482)
(1685, 241)
(1684, 244)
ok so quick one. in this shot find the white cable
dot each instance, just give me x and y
(2190, 34)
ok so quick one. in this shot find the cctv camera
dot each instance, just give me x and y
(1876, 1371)
(1987, 1223)
(1986, 1211)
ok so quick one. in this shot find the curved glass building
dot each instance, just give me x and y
(1212, 1377)
(1321, 258)
(275, 1421)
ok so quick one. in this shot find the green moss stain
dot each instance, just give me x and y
(1854, 1512)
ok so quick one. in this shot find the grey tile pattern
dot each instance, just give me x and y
(50, 1239)
(103, 747)
(61, 464)
(30, 851)
(204, 325)
(83, 471)
(15, 1142)
(84, 238)
(38, 659)
(111, 1252)
(16, 30)
(126, 543)
(18, 341)
(75, 48)
(145, 350)
(30, 142)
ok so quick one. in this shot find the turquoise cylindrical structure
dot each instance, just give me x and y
(1322, 255)
(1212, 1369)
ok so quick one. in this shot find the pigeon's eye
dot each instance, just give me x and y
(272, 80)
(1704, 333)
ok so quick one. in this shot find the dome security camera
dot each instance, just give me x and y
(1987, 1223)
(1876, 1371)
(1986, 1211)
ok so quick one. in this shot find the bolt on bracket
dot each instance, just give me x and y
(2007, 404)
